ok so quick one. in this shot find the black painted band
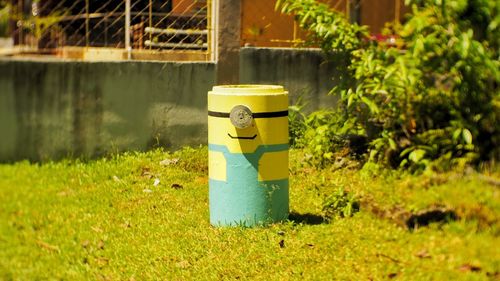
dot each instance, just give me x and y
(254, 115)
(218, 114)
(270, 114)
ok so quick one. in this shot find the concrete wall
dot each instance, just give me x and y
(51, 109)
(54, 109)
(305, 73)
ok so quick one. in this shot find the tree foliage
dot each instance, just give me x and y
(4, 18)
(436, 99)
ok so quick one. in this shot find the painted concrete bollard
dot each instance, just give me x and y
(248, 154)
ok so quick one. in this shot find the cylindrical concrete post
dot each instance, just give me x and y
(248, 154)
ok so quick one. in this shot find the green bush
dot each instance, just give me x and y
(324, 132)
(296, 124)
(433, 104)
(4, 19)
(340, 204)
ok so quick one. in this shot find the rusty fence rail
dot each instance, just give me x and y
(142, 28)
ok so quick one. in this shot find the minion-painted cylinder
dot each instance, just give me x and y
(248, 154)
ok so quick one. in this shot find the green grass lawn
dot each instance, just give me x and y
(128, 217)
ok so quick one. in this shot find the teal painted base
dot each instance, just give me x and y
(249, 205)
(242, 199)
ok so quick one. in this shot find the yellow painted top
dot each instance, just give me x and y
(262, 131)
(248, 90)
(259, 98)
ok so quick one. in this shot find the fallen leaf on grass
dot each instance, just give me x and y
(102, 261)
(392, 275)
(156, 182)
(176, 186)
(282, 243)
(201, 180)
(96, 229)
(65, 193)
(493, 275)
(183, 264)
(47, 246)
(167, 162)
(146, 172)
(423, 254)
(126, 224)
(387, 257)
(469, 267)
(85, 244)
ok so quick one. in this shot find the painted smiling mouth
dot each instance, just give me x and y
(242, 138)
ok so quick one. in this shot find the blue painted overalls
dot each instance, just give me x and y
(246, 200)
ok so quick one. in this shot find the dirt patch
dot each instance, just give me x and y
(411, 220)
(431, 215)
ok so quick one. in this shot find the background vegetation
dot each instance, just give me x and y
(431, 101)
(4, 18)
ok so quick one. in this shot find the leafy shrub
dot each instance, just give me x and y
(296, 125)
(433, 104)
(324, 132)
(340, 204)
(4, 19)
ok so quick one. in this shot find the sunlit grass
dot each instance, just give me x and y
(129, 217)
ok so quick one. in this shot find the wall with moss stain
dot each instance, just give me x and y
(53, 109)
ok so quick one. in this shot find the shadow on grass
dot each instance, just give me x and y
(307, 218)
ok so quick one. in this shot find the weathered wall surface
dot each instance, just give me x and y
(51, 109)
(55, 109)
(303, 72)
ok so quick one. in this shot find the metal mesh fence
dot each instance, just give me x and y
(263, 26)
(148, 29)
(136, 25)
